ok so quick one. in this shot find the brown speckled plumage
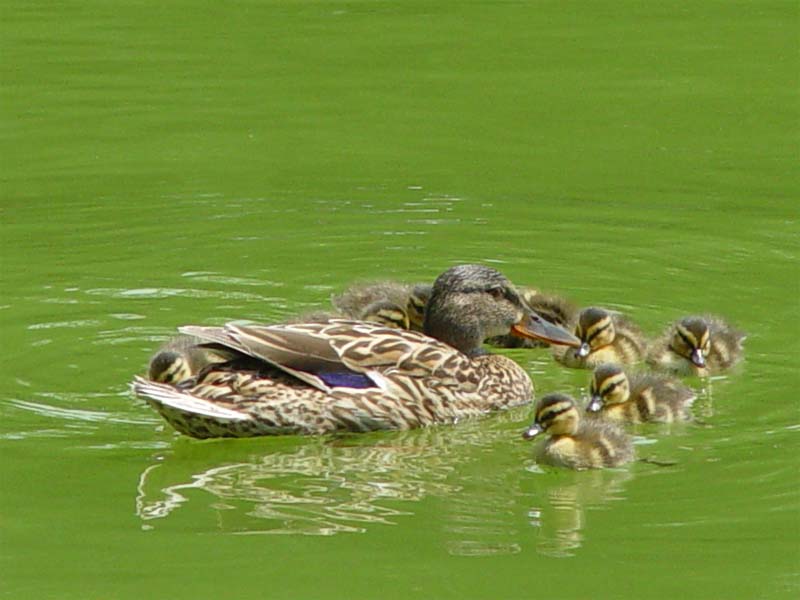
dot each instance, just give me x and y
(310, 378)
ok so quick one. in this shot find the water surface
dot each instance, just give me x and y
(195, 163)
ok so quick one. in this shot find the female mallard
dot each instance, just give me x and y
(310, 378)
(638, 397)
(553, 308)
(575, 441)
(605, 338)
(699, 346)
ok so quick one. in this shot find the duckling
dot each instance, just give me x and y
(575, 441)
(552, 307)
(384, 312)
(180, 359)
(556, 309)
(380, 300)
(699, 346)
(637, 397)
(606, 338)
(418, 298)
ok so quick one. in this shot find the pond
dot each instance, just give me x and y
(171, 164)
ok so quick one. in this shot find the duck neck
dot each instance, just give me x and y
(463, 335)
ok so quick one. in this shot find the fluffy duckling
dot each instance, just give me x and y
(637, 397)
(180, 359)
(699, 346)
(384, 312)
(556, 309)
(605, 338)
(577, 442)
(418, 298)
(383, 301)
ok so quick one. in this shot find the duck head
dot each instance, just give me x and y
(469, 303)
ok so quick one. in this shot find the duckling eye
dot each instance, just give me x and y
(497, 293)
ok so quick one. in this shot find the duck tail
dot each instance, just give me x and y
(167, 399)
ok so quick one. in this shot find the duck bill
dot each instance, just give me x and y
(535, 327)
(595, 404)
(697, 358)
(532, 431)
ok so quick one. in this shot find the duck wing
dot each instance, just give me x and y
(340, 353)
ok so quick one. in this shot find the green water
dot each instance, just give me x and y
(194, 162)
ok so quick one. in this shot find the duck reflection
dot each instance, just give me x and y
(313, 486)
(559, 516)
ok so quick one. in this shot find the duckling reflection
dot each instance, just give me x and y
(560, 516)
(319, 486)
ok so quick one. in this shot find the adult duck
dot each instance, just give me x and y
(314, 378)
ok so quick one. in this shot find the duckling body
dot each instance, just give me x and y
(575, 441)
(180, 359)
(383, 312)
(626, 397)
(554, 308)
(311, 378)
(699, 346)
(388, 302)
(605, 338)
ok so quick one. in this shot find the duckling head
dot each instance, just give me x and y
(609, 385)
(470, 303)
(595, 329)
(417, 299)
(691, 339)
(556, 414)
(169, 366)
(387, 313)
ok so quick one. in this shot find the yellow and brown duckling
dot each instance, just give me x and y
(383, 312)
(388, 302)
(180, 359)
(640, 397)
(699, 346)
(314, 378)
(575, 441)
(556, 309)
(418, 297)
(606, 337)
